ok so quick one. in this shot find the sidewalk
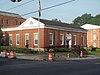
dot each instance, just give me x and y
(29, 56)
(84, 58)
(45, 57)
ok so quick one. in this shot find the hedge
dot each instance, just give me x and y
(17, 50)
(61, 50)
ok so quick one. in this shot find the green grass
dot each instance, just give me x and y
(97, 52)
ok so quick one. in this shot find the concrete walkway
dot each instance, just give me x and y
(45, 57)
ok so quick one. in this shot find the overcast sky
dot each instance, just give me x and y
(66, 12)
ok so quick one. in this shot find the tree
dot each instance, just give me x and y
(85, 18)
(95, 20)
(56, 20)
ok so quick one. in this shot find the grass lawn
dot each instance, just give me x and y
(97, 52)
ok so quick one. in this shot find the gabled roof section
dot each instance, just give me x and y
(9, 14)
(30, 22)
(48, 22)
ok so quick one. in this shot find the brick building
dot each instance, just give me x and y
(93, 35)
(10, 19)
(51, 34)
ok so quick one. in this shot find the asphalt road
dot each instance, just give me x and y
(71, 67)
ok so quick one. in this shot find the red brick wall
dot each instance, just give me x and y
(11, 20)
(44, 37)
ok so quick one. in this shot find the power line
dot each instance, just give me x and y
(49, 7)
(19, 5)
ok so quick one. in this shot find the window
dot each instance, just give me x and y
(82, 37)
(51, 39)
(62, 39)
(94, 37)
(20, 22)
(1, 21)
(35, 38)
(4, 40)
(7, 21)
(26, 38)
(94, 44)
(17, 22)
(17, 39)
(74, 39)
(10, 39)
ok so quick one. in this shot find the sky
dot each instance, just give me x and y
(66, 12)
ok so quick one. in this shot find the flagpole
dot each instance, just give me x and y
(38, 33)
(39, 14)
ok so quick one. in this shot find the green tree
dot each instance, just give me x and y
(81, 20)
(56, 20)
(95, 20)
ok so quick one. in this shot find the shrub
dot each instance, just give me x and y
(8, 48)
(17, 50)
(61, 49)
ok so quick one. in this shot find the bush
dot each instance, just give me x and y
(8, 48)
(17, 50)
(61, 49)
(23, 50)
(93, 49)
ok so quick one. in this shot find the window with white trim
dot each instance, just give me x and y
(94, 37)
(94, 44)
(35, 38)
(51, 39)
(10, 39)
(26, 38)
(74, 39)
(17, 39)
(61, 39)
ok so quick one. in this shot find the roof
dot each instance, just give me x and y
(10, 14)
(48, 22)
(32, 23)
(9, 26)
(90, 26)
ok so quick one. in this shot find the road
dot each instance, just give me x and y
(71, 67)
